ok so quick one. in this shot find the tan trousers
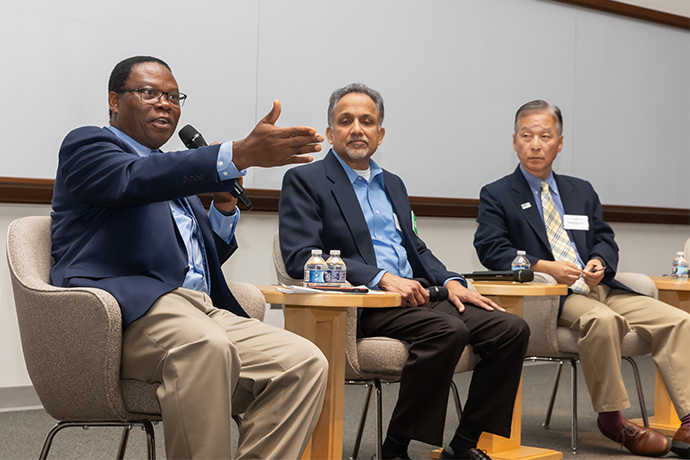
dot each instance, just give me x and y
(200, 354)
(603, 317)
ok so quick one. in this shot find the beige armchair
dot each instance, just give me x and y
(550, 342)
(71, 339)
(372, 360)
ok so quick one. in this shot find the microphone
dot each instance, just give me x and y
(521, 276)
(437, 293)
(192, 139)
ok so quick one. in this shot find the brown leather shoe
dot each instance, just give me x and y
(638, 439)
(680, 445)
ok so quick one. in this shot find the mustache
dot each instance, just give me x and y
(357, 139)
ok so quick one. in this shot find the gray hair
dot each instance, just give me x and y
(538, 106)
(354, 88)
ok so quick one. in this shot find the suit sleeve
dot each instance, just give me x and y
(492, 238)
(98, 172)
(301, 228)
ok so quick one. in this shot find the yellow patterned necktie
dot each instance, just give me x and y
(561, 246)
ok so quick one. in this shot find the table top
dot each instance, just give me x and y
(512, 288)
(666, 283)
(378, 299)
(332, 299)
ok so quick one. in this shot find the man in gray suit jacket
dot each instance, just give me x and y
(347, 202)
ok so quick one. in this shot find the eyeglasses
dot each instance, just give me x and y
(152, 96)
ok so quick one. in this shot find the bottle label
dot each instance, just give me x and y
(335, 276)
(680, 270)
(316, 276)
(520, 267)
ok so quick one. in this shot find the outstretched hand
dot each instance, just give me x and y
(268, 145)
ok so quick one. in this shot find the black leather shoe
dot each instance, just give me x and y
(472, 454)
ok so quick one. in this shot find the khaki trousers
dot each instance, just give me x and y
(603, 317)
(201, 354)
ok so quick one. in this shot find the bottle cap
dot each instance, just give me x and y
(680, 253)
(335, 252)
(521, 253)
(315, 252)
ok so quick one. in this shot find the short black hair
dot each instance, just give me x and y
(123, 69)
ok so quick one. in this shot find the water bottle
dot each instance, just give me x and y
(315, 270)
(680, 267)
(520, 262)
(335, 276)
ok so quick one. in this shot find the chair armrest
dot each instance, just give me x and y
(250, 298)
(638, 282)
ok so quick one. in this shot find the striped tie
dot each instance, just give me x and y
(561, 247)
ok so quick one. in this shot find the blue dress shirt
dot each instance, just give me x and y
(197, 277)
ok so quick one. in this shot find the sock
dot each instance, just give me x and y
(611, 421)
(685, 421)
(394, 446)
(465, 439)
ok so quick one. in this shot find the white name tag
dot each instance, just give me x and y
(571, 222)
(526, 205)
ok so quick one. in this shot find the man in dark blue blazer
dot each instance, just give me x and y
(126, 219)
(512, 216)
(347, 202)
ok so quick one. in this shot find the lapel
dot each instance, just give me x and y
(523, 194)
(573, 204)
(346, 198)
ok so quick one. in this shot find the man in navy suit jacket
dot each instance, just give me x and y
(347, 202)
(126, 220)
(510, 219)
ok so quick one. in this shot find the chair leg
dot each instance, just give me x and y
(150, 439)
(456, 398)
(150, 435)
(379, 420)
(362, 421)
(123, 442)
(640, 393)
(573, 423)
(549, 411)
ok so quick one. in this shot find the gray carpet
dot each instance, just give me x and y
(22, 433)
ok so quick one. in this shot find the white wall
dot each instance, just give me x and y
(646, 249)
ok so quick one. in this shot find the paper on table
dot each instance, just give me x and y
(305, 290)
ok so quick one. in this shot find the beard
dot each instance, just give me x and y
(357, 153)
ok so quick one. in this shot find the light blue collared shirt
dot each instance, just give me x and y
(197, 277)
(535, 185)
(384, 228)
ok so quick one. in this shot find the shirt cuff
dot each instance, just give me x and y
(456, 278)
(223, 226)
(374, 283)
(226, 168)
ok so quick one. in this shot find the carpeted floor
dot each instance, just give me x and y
(22, 432)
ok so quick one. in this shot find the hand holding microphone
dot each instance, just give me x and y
(193, 139)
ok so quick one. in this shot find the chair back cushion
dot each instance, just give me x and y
(71, 337)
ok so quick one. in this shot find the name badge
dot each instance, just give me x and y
(526, 205)
(571, 222)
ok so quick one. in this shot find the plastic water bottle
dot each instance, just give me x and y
(335, 276)
(520, 262)
(315, 270)
(680, 267)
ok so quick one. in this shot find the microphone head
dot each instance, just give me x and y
(191, 138)
(523, 276)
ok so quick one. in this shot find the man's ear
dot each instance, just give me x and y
(382, 132)
(329, 135)
(113, 99)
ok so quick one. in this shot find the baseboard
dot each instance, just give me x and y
(19, 398)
